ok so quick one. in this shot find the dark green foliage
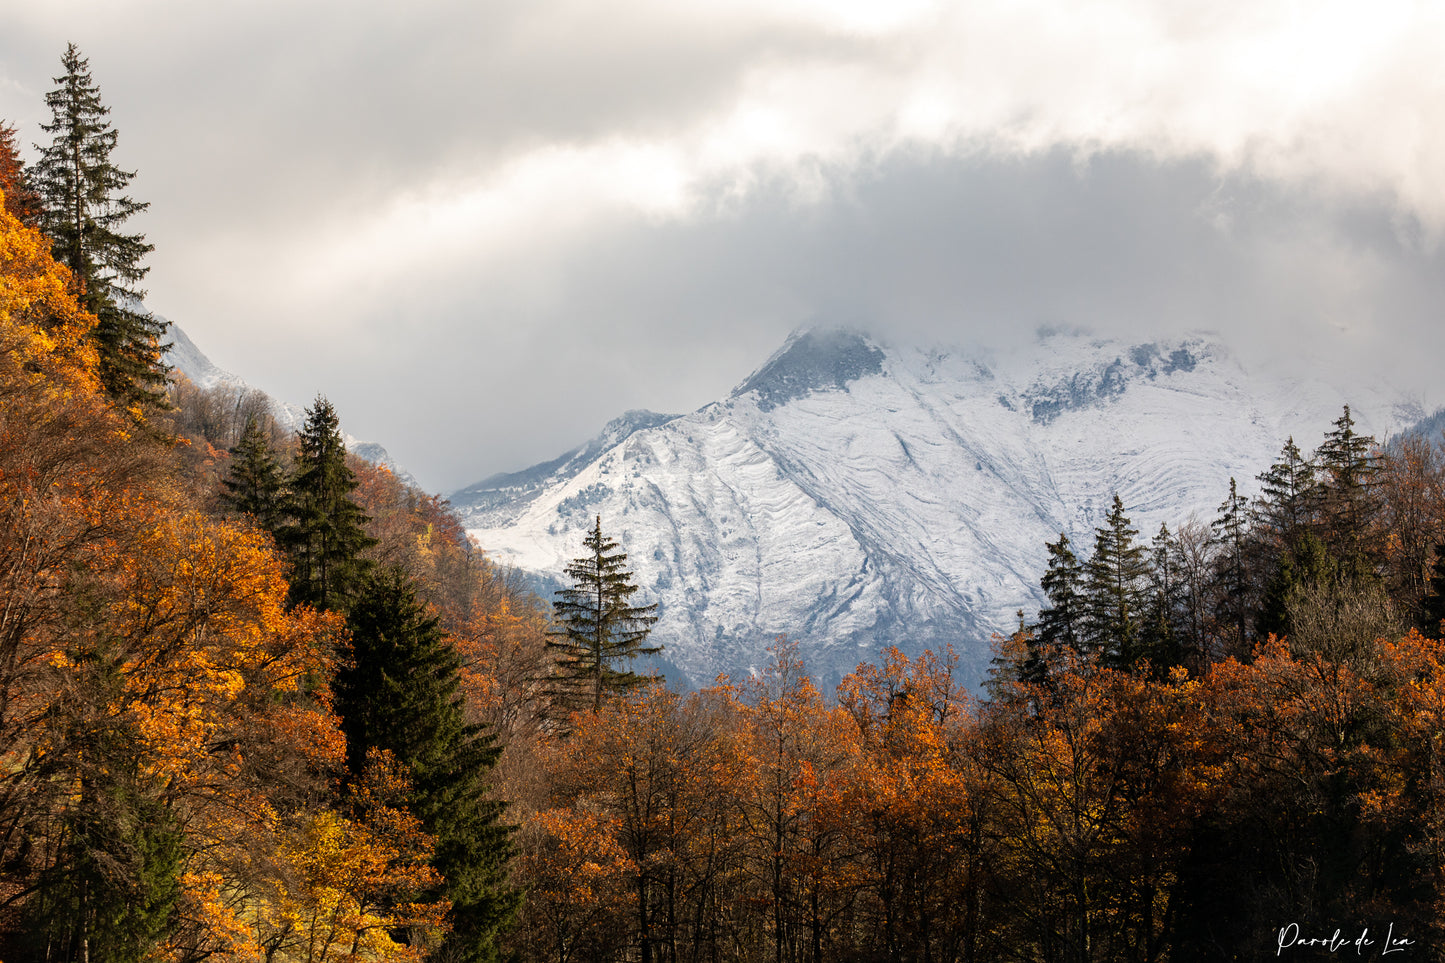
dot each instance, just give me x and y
(399, 693)
(1230, 533)
(1307, 564)
(85, 208)
(1287, 497)
(1159, 636)
(1060, 626)
(110, 889)
(1348, 500)
(255, 484)
(1115, 582)
(112, 895)
(322, 533)
(598, 627)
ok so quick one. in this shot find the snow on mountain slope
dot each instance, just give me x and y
(853, 495)
(183, 356)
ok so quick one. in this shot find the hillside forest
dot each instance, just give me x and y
(262, 701)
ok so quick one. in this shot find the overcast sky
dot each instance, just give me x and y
(483, 229)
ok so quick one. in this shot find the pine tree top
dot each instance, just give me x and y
(84, 210)
(598, 629)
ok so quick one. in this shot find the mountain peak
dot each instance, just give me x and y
(812, 360)
(909, 500)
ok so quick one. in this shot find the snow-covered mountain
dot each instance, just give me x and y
(183, 356)
(852, 495)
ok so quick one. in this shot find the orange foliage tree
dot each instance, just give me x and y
(167, 747)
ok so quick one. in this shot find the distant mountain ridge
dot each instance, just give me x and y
(853, 494)
(501, 497)
(183, 356)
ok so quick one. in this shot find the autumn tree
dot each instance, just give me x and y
(322, 532)
(21, 200)
(399, 693)
(85, 210)
(1411, 484)
(793, 748)
(578, 904)
(599, 630)
(912, 809)
(656, 774)
(68, 480)
(167, 749)
(1318, 752)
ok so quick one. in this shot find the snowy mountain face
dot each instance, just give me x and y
(184, 357)
(851, 495)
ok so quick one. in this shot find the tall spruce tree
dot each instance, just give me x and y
(1348, 499)
(1230, 535)
(1285, 505)
(1307, 565)
(85, 209)
(399, 692)
(1115, 590)
(255, 484)
(322, 533)
(1060, 627)
(1160, 639)
(112, 886)
(598, 628)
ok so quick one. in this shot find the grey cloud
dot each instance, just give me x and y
(258, 113)
(253, 125)
(671, 316)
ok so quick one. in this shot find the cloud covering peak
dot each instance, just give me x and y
(483, 207)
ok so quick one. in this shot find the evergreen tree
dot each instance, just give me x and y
(1307, 564)
(1287, 495)
(1348, 500)
(1060, 625)
(85, 210)
(322, 534)
(110, 894)
(1115, 581)
(598, 628)
(399, 693)
(1230, 534)
(1159, 633)
(255, 484)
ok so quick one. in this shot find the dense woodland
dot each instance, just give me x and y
(259, 700)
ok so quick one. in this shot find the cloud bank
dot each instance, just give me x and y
(483, 230)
